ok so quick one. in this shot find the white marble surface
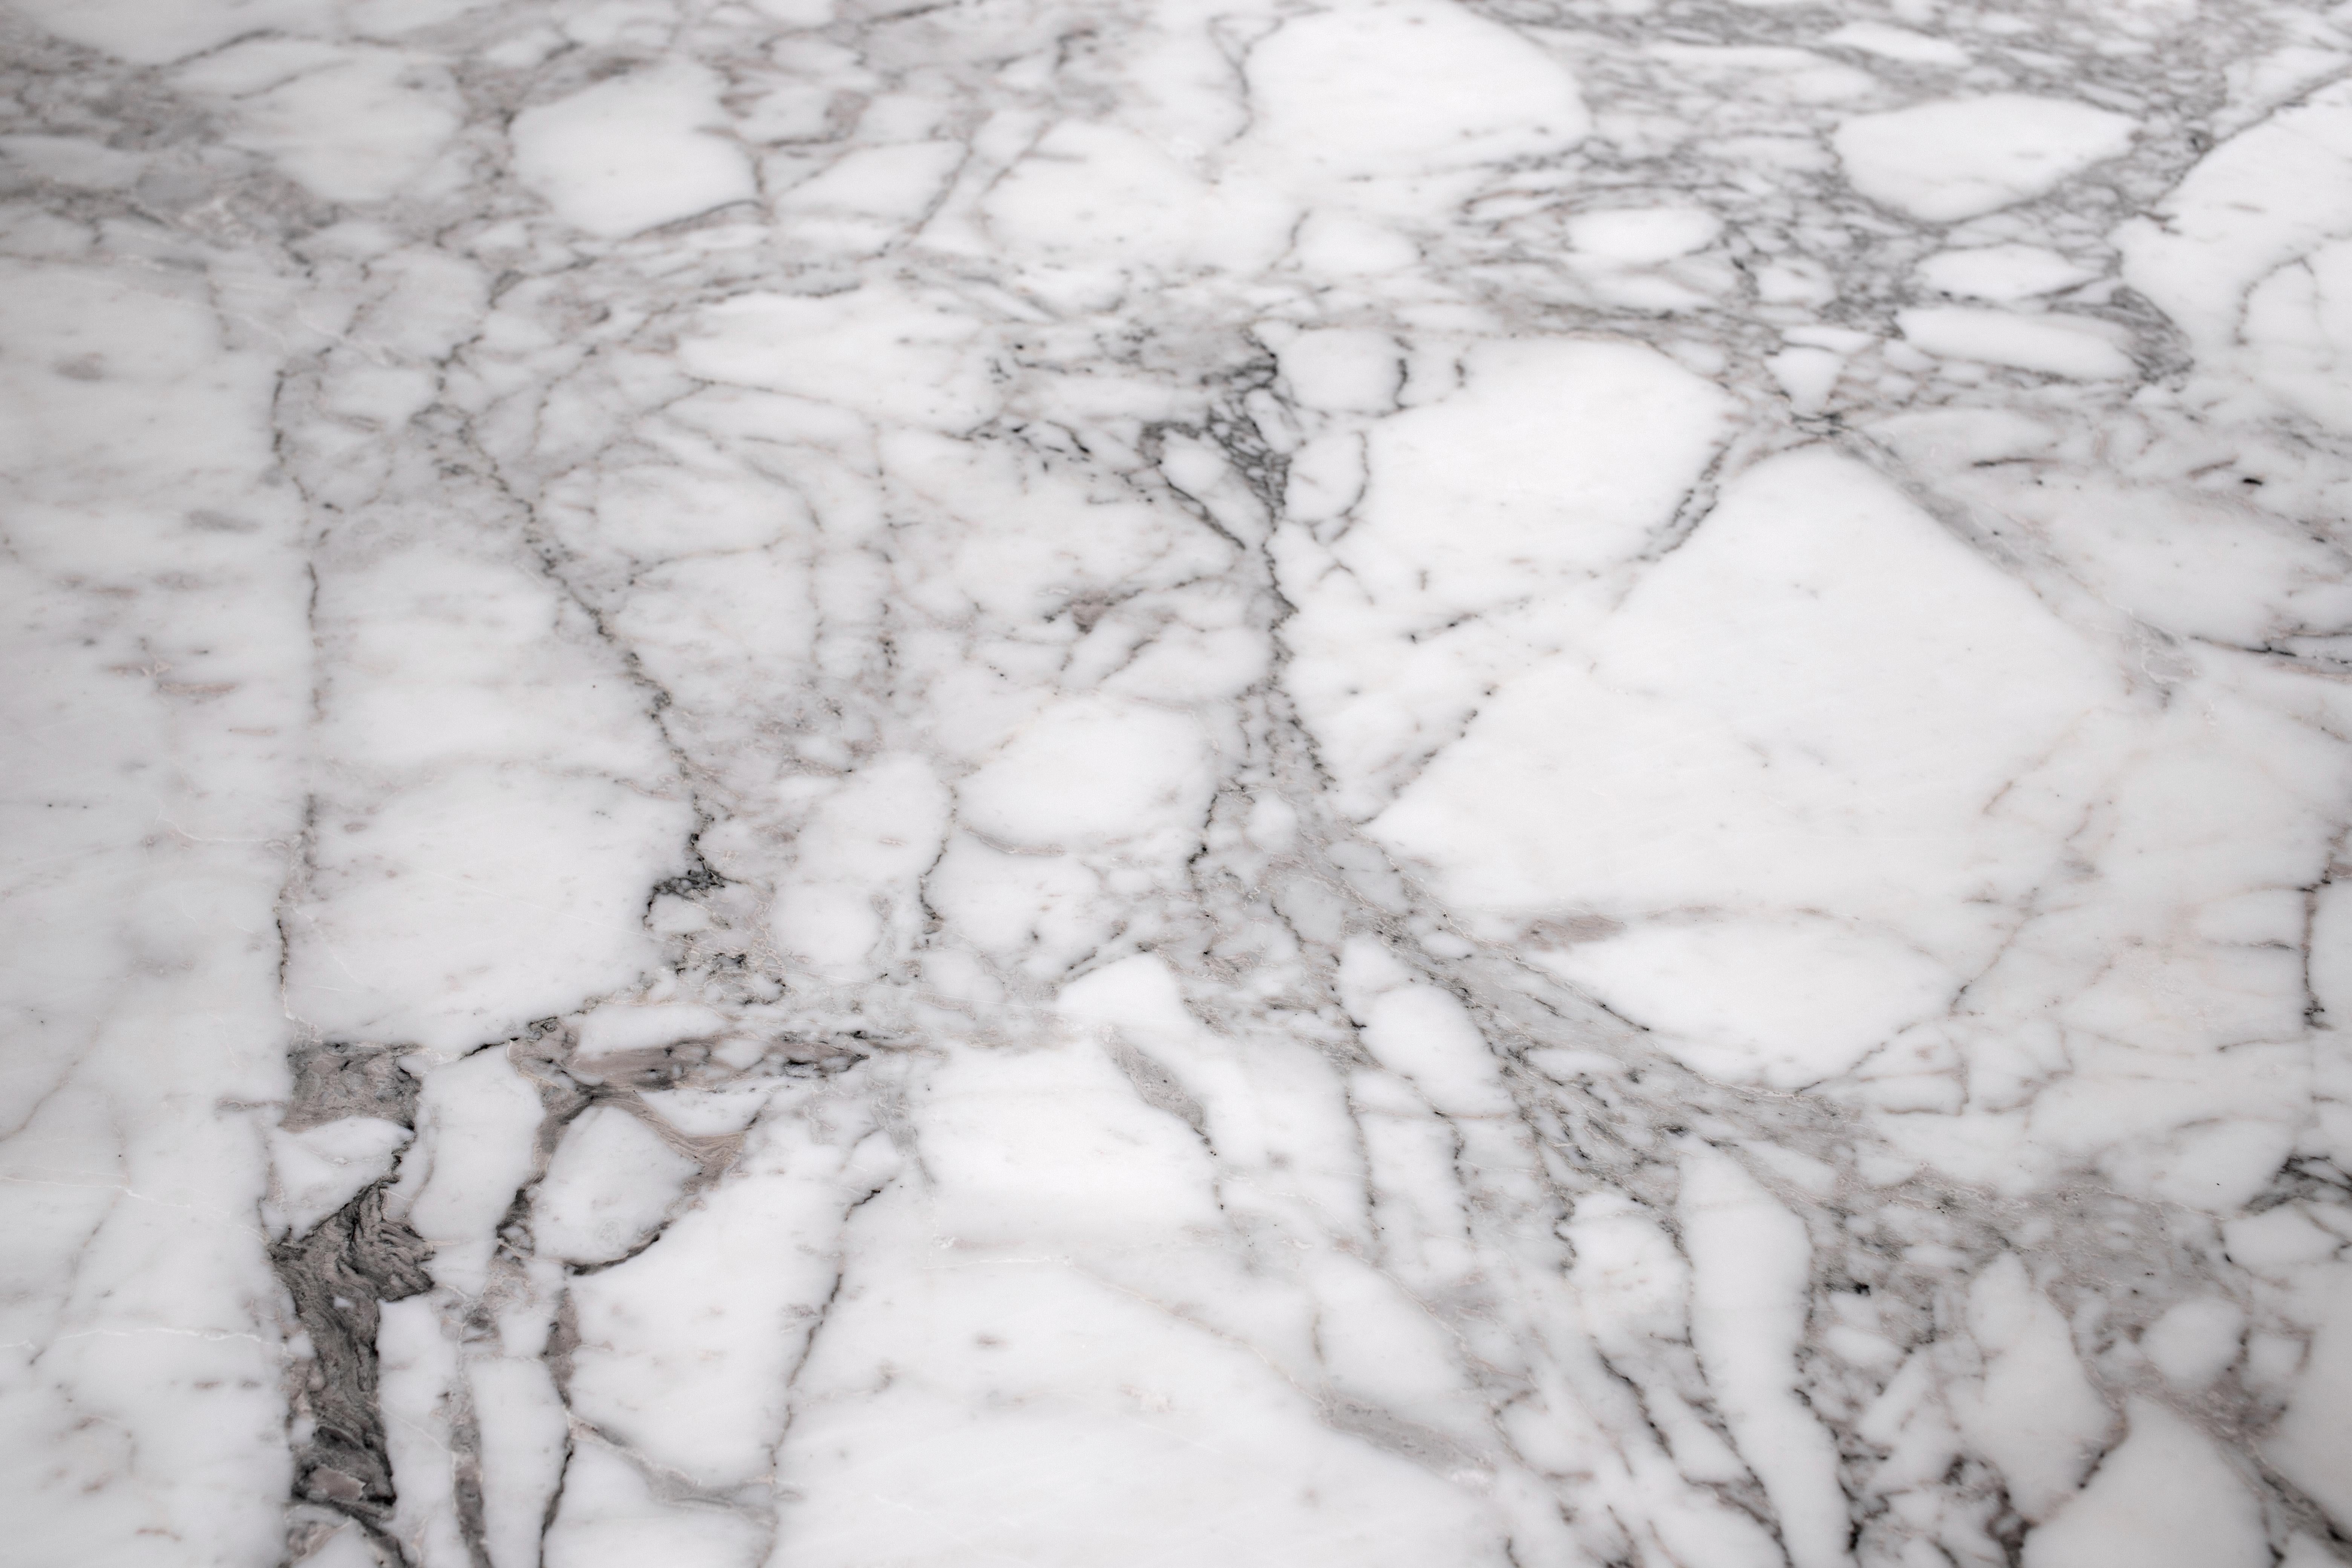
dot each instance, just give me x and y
(823, 783)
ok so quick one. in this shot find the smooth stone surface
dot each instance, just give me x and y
(800, 783)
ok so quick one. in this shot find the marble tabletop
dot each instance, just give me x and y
(1284, 784)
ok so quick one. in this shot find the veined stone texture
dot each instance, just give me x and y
(862, 783)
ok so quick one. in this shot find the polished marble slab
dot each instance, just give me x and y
(831, 784)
